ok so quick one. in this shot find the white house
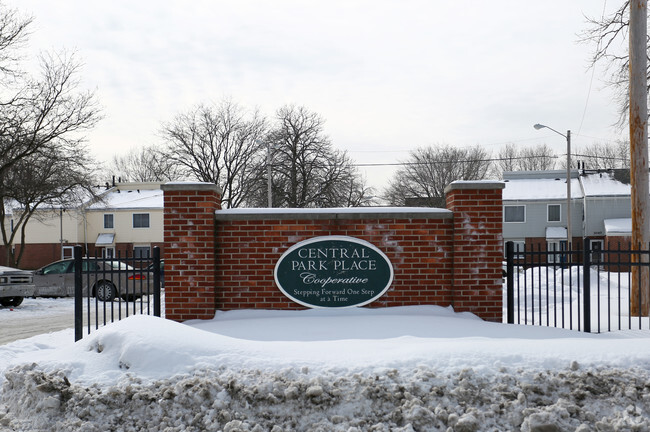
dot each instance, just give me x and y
(127, 219)
(534, 207)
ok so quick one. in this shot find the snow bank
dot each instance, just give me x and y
(222, 399)
(395, 369)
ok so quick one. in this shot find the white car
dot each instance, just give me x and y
(15, 285)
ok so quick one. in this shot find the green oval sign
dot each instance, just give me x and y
(333, 272)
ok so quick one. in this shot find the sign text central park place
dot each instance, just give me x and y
(333, 272)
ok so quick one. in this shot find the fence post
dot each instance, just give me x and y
(78, 293)
(510, 283)
(586, 284)
(156, 281)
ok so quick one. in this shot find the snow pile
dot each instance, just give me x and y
(422, 399)
(395, 369)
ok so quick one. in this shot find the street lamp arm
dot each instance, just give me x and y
(541, 126)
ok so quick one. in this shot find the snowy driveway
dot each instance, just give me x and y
(46, 315)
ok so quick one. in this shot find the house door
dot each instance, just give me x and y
(556, 250)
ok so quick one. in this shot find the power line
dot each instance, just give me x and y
(485, 160)
(457, 161)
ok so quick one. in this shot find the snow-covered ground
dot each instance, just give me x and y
(422, 368)
(562, 304)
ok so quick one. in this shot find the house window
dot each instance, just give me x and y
(141, 220)
(108, 221)
(141, 252)
(67, 252)
(553, 212)
(514, 213)
(518, 247)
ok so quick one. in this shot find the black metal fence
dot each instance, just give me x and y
(108, 289)
(588, 289)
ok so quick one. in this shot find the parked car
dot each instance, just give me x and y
(162, 272)
(104, 279)
(15, 285)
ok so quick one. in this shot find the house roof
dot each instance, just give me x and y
(129, 198)
(540, 189)
(604, 184)
(551, 185)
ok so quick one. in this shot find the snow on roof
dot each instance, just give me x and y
(552, 185)
(129, 199)
(603, 184)
(540, 189)
(620, 227)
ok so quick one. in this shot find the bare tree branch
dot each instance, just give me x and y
(219, 145)
(424, 176)
(42, 152)
(609, 36)
(146, 164)
(13, 35)
(307, 170)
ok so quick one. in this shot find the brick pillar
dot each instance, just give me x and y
(478, 247)
(190, 246)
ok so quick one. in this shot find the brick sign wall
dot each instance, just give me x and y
(225, 259)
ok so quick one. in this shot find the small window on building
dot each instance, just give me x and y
(514, 213)
(141, 220)
(108, 221)
(67, 252)
(553, 213)
(141, 252)
(597, 251)
(518, 247)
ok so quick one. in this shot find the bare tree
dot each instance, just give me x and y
(424, 176)
(42, 121)
(13, 35)
(609, 35)
(43, 180)
(605, 156)
(46, 114)
(306, 170)
(145, 164)
(515, 158)
(221, 145)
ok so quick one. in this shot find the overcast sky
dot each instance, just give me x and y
(388, 76)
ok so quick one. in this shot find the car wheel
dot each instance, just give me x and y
(11, 301)
(105, 291)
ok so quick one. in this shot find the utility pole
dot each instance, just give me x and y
(569, 234)
(640, 301)
(269, 160)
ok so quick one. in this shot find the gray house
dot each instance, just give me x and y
(534, 208)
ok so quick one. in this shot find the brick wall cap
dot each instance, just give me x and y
(342, 213)
(188, 186)
(475, 184)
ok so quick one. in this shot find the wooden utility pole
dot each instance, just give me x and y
(640, 301)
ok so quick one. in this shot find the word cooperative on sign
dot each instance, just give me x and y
(333, 272)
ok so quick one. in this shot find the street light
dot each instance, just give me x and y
(568, 178)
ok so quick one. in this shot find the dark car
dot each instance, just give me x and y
(104, 279)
